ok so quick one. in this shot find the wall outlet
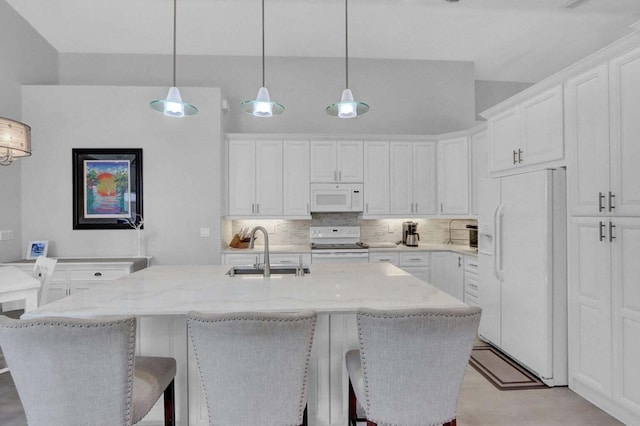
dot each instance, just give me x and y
(390, 229)
(205, 232)
(6, 235)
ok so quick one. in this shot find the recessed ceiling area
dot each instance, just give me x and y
(508, 40)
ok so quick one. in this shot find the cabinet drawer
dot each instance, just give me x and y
(383, 257)
(241, 259)
(289, 259)
(97, 274)
(471, 264)
(471, 284)
(414, 259)
(471, 300)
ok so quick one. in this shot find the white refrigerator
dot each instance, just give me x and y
(522, 270)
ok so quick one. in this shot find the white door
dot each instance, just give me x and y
(242, 177)
(504, 140)
(296, 178)
(323, 161)
(401, 177)
(376, 178)
(489, 297)
(350, 161)
(587, 132)
(453, 176)
(268, 167)
(624, 73)
(424, 178)
(526, 250)
(590, 304)
(625, 248)
(542, 128)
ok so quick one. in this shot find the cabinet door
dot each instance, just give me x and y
(479, 167)
(401, 177)
(268, 167)
(440, 271)
(504, 140)
(323, 161)
(296, 178)
(589, 305)
(542, 128)
(489, 297)
(587, 132)
(626, 311)
(350, 161)
(424, 177)
(377, 257)
(419, 272)
(624, 75)
(376, 177)
(453, 176)
(241, 177)
(457, 275)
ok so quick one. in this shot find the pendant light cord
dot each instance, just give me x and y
(174, 42)
(346, 43)
(263, 44)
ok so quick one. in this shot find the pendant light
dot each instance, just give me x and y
(173, 106)
(15, 140)
(347, 107)
(262, 105)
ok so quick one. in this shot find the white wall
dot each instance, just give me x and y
(25, 58)
(406, 96)
(181, 169)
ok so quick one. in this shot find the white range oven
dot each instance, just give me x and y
(337, 244)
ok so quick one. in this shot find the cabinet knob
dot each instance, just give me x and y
(97, 274)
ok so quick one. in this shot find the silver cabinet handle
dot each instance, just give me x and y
(258, 208)
(611, 197)
(416, 207)
(307, 207)
(253, 208)
(340, 176)
(473, 264)
(600, 199)
(286, 261)
(335, 175)
(514, 156)
(411, 207)
(520, 152)
(459, 261)
(415, 259)
(384, 260)
(601, 231)
(611, 228)
(367, 206)
(441, 207)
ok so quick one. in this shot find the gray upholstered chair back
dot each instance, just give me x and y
(253, 366)
(71, 371)
(413, 362)
(43, 270)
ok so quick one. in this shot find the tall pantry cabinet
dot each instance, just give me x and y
(602, 112)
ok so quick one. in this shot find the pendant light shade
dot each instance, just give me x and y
(15, 140)
(347, 107)
(262, 105)
(173, 106)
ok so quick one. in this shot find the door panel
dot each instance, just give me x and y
(424, 177)
(376, 177)
(401, 177)
(268, 178)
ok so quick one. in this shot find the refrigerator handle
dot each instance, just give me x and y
(497, 241)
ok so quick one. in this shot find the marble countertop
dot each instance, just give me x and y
(299, 248)
(176, 290)
(372, 247)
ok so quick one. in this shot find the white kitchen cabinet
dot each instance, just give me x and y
(389, 257)
(255, 178)
(412, 178)
(376, 178)
(478, 167)
(528, 134)
(414, 262)
(275, 258)
(453, 175)
(604, 312)
(447, 272)
(471, 280)
(337, 161)
(296, 178)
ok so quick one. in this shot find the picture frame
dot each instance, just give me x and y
(107, 188)
(36, 249)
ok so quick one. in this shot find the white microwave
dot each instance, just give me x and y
(337, 197)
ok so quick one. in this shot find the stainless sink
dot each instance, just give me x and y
(275, 270)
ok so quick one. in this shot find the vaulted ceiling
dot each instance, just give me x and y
(508, 40)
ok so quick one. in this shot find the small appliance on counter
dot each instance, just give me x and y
(410, 236)
(473, 236)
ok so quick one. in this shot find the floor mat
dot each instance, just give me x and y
(502, 372)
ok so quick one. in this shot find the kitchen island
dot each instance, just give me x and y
(160, 296)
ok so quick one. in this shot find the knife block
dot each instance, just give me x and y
(236, 242)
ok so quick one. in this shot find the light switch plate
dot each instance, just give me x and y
(6, 234)
(205, 232)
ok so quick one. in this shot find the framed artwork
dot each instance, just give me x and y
(107, 188)
(37, 248)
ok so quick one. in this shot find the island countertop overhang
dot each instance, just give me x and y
(176, 290)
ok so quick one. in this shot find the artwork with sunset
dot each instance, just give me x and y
(107, 184)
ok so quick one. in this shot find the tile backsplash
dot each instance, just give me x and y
(296, 232)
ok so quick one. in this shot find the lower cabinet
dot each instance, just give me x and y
(471, 295)
(447, 273)
(415, 262)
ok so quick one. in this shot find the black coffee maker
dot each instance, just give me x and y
(410, 236)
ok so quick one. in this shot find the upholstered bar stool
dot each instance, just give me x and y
(410, 366)
(83, 371)
(253, 366)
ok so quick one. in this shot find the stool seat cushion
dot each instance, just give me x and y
(151, 377)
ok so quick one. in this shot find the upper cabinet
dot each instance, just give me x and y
(376, 178)
(412, 178)
(337, 161)
(453, 176)
(478, 167)
(255, 178)
(296, 178)
(602, 129)
(528, 134)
